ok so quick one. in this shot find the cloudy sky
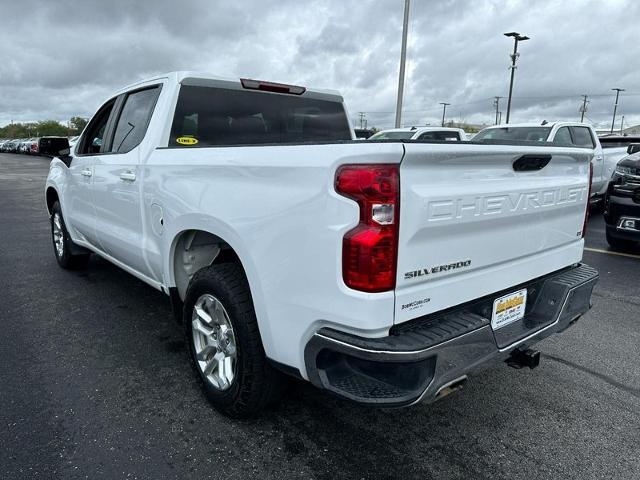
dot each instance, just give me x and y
(63, 58)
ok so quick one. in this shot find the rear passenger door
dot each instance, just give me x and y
(117, 186)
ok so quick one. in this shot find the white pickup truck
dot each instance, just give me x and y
(385, 272)
(576, 134)
(443, 134)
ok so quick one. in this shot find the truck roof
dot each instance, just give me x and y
(422, 129)
(208, 79)
(546, 125)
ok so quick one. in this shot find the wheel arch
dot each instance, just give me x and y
(51, 196)
(210, 231)
(193, 249)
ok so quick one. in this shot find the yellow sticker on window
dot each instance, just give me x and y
(187, 140)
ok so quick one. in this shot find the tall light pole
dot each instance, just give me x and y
(444, 110)
(615, 106)
(403, 56)
(514, 56)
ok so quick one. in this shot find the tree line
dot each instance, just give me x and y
(43, 128)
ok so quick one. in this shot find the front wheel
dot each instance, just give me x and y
(224, 342)
(63, 247)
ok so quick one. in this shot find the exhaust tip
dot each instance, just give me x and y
(449, 388)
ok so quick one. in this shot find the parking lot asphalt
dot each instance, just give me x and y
(95, 383)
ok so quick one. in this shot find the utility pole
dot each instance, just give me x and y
(514, 56)
(403, 56)
(499, 118)
(362, 116)
(583, 108)
(615, 106)
(621, 124)
(444, 110)
(496, 103)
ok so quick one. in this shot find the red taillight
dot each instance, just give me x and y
(586, 213)
(271, 86)
(370, 250)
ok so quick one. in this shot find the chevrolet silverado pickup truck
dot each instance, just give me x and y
(576, 134)
(384, 272)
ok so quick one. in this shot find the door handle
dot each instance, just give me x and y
(128, 176)
(86, 173)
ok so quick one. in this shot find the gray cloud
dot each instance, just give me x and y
(65, 57)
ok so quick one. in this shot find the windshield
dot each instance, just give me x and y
(528, 134)
(403, 135)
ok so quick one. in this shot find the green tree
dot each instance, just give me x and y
(51, 127)
(77, 125)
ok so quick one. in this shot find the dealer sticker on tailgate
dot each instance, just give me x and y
(508, 309)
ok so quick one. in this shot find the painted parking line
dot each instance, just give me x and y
(609, 252)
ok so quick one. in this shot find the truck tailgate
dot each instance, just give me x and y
(471, 225)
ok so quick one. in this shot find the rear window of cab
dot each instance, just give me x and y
(209, 116)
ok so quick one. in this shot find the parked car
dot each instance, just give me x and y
(563, 133)
(622, 202)
(12, 145)
(618, 141)
(25, 145)
(384, 272)
(421, 133)
(34, 146)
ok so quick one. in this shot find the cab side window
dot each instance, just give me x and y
(93, 138)
(134, 119)
(563, 137)
(582, 137)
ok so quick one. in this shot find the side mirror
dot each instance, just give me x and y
(633, 148)
(54, 147)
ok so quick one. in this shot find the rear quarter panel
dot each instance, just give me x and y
(276, 206)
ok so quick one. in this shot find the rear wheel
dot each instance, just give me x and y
(63, 247)
(224, 342)
(619, 244)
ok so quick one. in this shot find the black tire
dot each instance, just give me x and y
(66, 258)
(618, 243)
(256, 383)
